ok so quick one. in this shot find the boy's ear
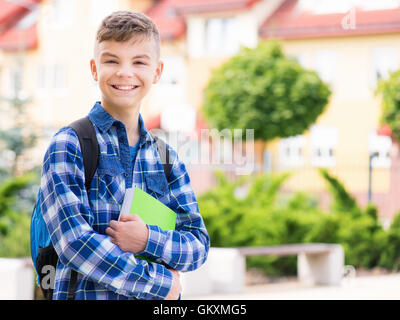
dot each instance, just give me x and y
(158, 72)
(93, 69)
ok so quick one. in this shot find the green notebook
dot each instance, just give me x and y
(149, 209)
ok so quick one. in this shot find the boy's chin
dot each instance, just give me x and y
(123, 105)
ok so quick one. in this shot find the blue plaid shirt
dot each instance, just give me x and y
(76, 219)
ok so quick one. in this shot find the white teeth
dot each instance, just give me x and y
(124, 87)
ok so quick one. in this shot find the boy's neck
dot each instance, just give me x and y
(130, 118)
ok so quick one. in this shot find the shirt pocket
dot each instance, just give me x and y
(111, 181)
(157, 185)
(109, 165)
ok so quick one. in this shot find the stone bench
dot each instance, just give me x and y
(16, 279)
(225, 268)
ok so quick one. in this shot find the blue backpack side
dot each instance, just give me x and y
(40, 237)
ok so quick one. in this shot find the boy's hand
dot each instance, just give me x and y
(130, 233)
(176, 286)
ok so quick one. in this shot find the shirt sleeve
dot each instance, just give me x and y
(68, 217)
(185, 248)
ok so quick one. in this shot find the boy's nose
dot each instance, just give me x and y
(125, 72)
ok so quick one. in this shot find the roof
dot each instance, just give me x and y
(291, 21)
(13, 35)
(15, 39)
(203, 6)
(169, 15)
(170, 24)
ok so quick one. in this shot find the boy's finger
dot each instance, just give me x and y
(110, 232)
(127, 217)
(113, 224)
(135, 217)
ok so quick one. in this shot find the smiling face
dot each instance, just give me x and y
(125, 72)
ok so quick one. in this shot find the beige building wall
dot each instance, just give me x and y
(354, 109)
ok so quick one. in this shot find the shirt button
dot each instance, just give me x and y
(121, 139)
(125, 175)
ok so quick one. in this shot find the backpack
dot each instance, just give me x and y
(43, 254)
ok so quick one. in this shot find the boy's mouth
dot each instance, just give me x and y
(124, 88)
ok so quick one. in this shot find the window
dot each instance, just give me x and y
(221, 36)
(61, 13)
(384, 60)
(60, 77)
(170, 90)
(41, 81)
(300, 59)
(99, 9)
(323, 143)
(325, 65)
(381, 145)
(173, 72)
(181, 118)
(52, 79)
(291, 151)
(16, 81)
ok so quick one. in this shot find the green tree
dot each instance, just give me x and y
(20, 135)
(262, 89)
(389, 90)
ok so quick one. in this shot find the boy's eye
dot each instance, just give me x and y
(111, 61)
(139, 62)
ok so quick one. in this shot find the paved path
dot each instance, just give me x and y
(385, 287)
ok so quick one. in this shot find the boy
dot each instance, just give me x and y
(84, 226)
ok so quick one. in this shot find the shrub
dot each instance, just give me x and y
(390, 257)
(266, 217)
(15, 212)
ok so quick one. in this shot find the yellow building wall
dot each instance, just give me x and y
(353, 109)
(199, 71)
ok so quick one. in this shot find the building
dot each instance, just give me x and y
(350, 43)
(55, 72)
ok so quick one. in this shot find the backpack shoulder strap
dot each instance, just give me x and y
(89, 147)
(164, 155)
(90, 152)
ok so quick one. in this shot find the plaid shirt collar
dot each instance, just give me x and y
(103, 120)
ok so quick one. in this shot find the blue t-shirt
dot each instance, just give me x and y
(133, 150)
